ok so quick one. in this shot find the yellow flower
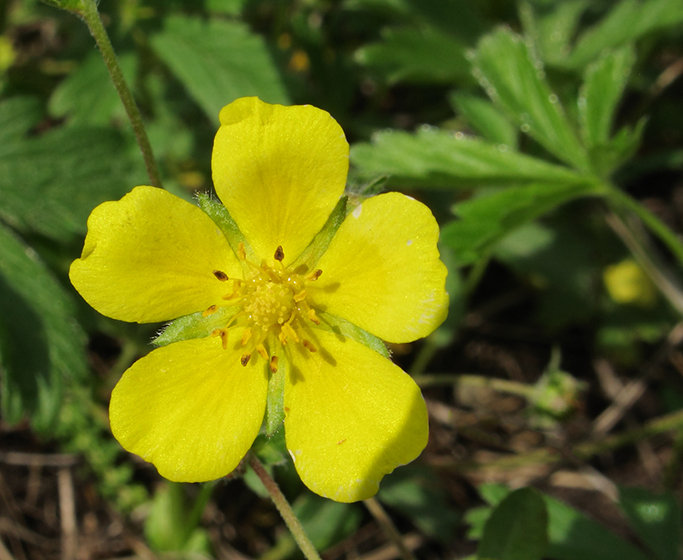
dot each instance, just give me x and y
(276, 299)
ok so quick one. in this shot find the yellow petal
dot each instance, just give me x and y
(352, 416)
(279, 171)
(382, 270)
(151, 257)
(190, 408)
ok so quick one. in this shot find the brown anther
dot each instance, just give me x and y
(309, 345)
(313, 317)
(279, 254)
(244, 360)
(223, 333)
(241, 252)
(286, 409)
(222, 276)
(273, 364)
(341, 441)
(261, 349)
(313, 276)
(209, 311)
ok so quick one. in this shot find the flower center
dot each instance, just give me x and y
(273, 299)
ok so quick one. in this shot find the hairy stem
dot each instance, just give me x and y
(88, 11)
(285, 509)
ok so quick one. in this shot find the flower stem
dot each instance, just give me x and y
(388, 527)
(285, 509)
(88, 11)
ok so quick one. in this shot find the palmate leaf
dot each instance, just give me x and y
(486, 119)
(626, 22)
(51, 183)
(513, 77)
(485, 220)
(440, 159)
(88, 96)
(41, 344)
(604, 83)
(422, 55)
(218, 62)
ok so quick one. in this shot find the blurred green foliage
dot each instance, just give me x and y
(522, 124)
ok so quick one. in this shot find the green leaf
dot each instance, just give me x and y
(656, 518)
(326, 522)
(440, 159)
(552, 26)
(517, 528)
(627, 21)
(41, 344)
(415, 493)
(511, 74)
(418, 56)
(571, 534)
(218, 61)
(88, 96)
(50, 184)
(486, 119)
(454, 17)
(603, 86)
(17, 116)
(486, 220)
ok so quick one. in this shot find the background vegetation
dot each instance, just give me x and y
(546, 136)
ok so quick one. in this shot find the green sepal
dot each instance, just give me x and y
(194, 326)
(342, 327)
(75, 6)
(271, 450)
(317, 248)
(222, 218)
(275, 403)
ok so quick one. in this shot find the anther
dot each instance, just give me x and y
(279, 254)
(223, 333)
(244, 360)
(222, 276)
(241, 252)
(209, 311)
(313, 276)
(261, 349)
(246, 335)
(309, 345)
(313, 317)
(300, 296)
(273, 364)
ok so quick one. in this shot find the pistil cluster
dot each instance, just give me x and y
(273, 300)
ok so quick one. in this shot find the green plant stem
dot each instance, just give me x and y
(622, 201)
(285, 509)
(88, 11)
(471, 380)
(583, 451)
(377, 511)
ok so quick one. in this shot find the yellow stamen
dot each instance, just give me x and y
(261, 349)
(312, 276)
(223, 333)
(309, 345)
(273, 364)
(313, 317)
(244, 360)
(222, 276)
(300, 296)
(246, 335)
(209, 311)
(279, 254)
(241, 252)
